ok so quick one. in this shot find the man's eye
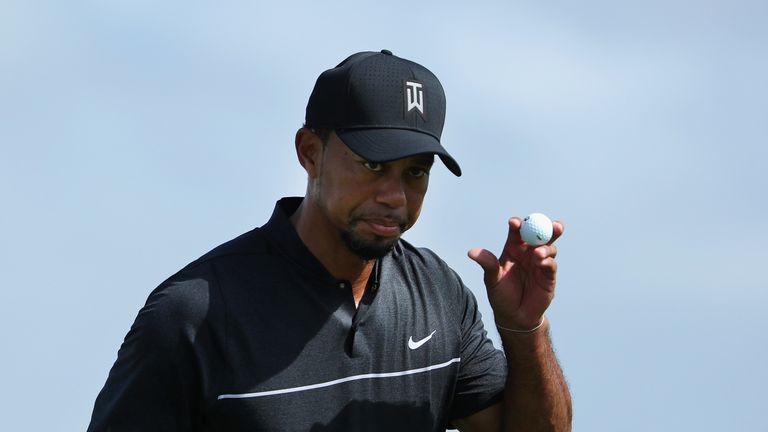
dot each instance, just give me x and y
(373, 166)
(418, 172)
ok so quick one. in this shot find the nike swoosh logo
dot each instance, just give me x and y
(414, 345)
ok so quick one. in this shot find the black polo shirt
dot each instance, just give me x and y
(256, 335)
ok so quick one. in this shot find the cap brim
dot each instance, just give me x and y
(384, 145)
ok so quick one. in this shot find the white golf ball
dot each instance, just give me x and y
(536, 229)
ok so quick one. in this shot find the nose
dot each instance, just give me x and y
(392, 192)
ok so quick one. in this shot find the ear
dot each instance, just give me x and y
(309, 150)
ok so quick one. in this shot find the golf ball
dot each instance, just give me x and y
(536, 229)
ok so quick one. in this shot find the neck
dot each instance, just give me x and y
(323, 240)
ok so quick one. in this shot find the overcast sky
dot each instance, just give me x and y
(137, 135)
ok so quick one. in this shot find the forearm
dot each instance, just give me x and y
(536, 397)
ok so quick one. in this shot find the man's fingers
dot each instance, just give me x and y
(513, 236)
(557, 230)
(548, 267)
(485, 258)
(545, 251)
(488, 262)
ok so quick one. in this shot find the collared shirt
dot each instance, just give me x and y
(257, 335)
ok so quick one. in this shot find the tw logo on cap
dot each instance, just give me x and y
(414, 97)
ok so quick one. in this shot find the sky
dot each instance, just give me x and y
(136, 135)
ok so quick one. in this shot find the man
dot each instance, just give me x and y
(324, 319)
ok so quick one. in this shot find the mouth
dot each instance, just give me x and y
(383, 226)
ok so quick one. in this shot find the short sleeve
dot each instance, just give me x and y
(483, 368)
(154, 383)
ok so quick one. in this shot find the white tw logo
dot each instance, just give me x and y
(414, 97)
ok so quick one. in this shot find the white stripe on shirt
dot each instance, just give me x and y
(339, 381)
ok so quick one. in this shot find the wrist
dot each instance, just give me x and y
(518, 330)
(528, 345)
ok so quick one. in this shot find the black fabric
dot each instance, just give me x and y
(261, 314)
(384, 145)
(366, 100)
(367, 90)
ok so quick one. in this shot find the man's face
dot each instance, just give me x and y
(370, 204)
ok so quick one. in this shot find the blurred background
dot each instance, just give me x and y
(137, 135)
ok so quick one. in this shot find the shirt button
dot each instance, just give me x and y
(343, 285)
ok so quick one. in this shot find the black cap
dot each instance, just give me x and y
(383, 107)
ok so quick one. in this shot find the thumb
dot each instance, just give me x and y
(488, 261)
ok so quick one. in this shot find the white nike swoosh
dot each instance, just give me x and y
(413, 345)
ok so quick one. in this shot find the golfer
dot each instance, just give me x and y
(324, 318)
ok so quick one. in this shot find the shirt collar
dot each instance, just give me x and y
(283, 236)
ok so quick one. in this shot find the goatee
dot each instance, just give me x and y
(368, 249)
